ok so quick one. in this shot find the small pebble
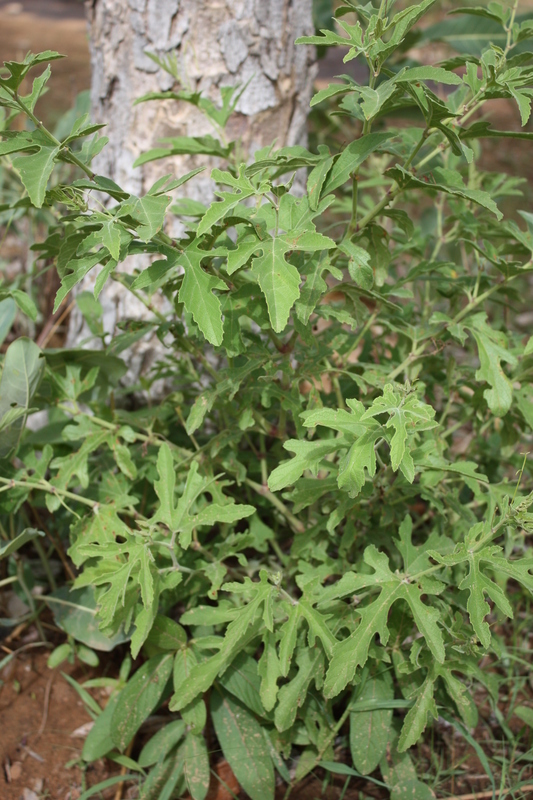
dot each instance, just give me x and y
(16, 770)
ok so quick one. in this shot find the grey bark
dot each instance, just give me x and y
(217, 43)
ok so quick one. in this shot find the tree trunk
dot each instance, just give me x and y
(217, 43)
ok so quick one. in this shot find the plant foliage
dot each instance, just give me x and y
(317, 529)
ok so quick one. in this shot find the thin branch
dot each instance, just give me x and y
(294, 522)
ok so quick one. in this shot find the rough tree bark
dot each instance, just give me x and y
(217, 43)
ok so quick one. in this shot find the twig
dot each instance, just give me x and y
(33, 754)
(53, 324)
(123, 770)
(47, 692)
(23, 647)
(17, 631)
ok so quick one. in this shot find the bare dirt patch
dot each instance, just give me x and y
(39, 713)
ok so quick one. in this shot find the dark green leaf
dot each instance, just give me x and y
(19, 541)
(417, 717)
(167, 634)
(161, 743)
(99, 741)
(370, 730)
(352, 157)
(21, 374)
(196, 766)
(140, 698)
(75, 613)
(243, 745)
(8, 312)
(35, 170)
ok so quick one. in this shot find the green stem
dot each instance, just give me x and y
(171, 547)
(264, 425)
(425, 135)
(46, 564)
(7, 581)
(278, 344)
(44, 486)
(282, 422)
(263, 461)
(141, 437)
(352, 225)
(428, 571)
(279, 552)
(121, 279)
(469, 110)
(294, 522)
(336, 384)
(479, 299)
(30, 600)
(393, 191)
(416, 352)
(190, 435)
(378, 208)
(447, 409)
(494, 529)
(519, 479)
(436, 250)
(367, 127)
(336, 728)
(509, 28)
(368, 324)
(451, 430)
(38, 124)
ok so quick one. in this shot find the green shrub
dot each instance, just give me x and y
(319, 531)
